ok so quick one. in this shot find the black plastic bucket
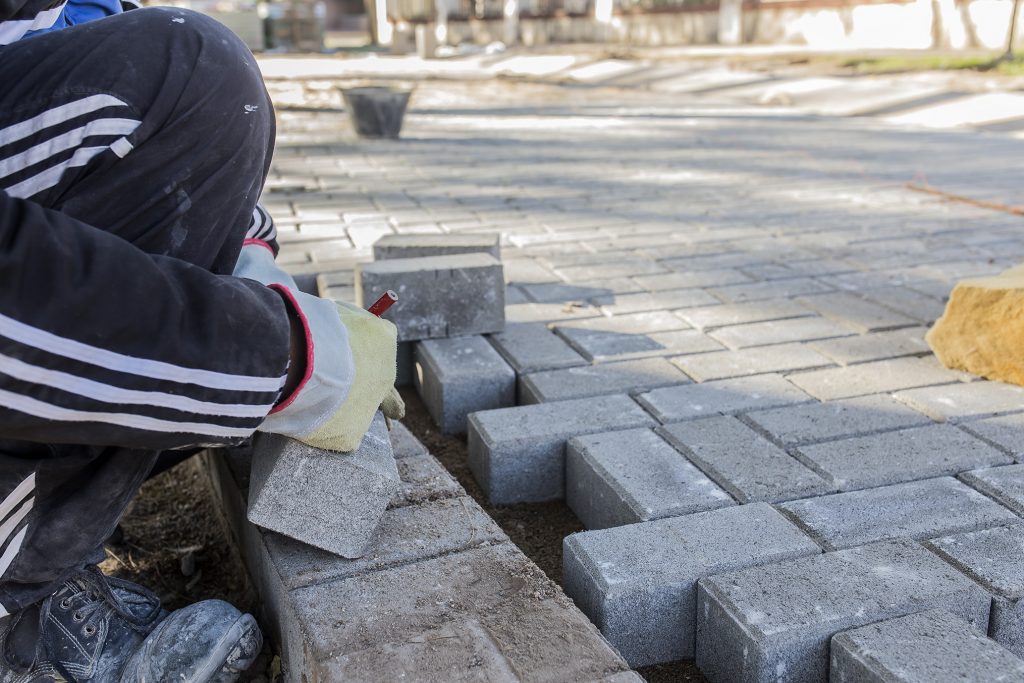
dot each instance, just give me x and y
(376, 112)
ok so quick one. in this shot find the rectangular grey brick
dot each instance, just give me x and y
(407, 534)
(742, 314)
(620, 267)
(725, 364)
(775, 622)
(561, 293)
(815, 422)
(1005, 432)
(548, 313)
(878, 346)
(530, 347)
(992, 557)
(601, 338)
(624, 377)
(664, 300)
(774, 289)
(905, 455)
(779, 332)
(873, 378)
(697, 278)
(674, 404)
(518, 454)
(743, 462)
(630, 476)
(417, 245)
(639, 583)
(918, 510)
(438, 296)
(930, 647)
(908, 302)
(459, 376)
(965, 401)
(856, 313)
(1004, 484)
(487, 605)
(292, 483)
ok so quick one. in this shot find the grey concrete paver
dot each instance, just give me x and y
(638, 583)
(871, 347)
(898, 456)
(992, 558)
(781, 358)
(674, 404)
(873, 378)
(772, 623)
(743, 462)
(929, 647)
(815, 422)
(918, 509)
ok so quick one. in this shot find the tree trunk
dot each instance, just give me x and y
(1013, 31)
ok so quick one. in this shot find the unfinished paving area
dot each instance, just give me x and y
(713, 352)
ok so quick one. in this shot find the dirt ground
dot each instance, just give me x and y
(175, 543)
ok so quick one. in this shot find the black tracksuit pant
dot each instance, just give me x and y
(133, 150)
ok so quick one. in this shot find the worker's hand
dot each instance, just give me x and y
(350, 364)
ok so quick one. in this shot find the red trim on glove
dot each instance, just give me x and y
(294, 306)
(260, 243)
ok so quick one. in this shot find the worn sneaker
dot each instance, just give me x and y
(97, 629)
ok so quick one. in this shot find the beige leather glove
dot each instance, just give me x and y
(350, 364)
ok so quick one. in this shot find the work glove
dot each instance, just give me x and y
(350, 363)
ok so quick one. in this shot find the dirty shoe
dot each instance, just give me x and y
(96, 629)
(208, 642)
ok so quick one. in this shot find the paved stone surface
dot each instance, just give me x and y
(1006, 433)
(637, 211)
(632, 475)
(531, 347)
(639, 583)
(674, 404)
(518, 454)
(814, 422)
(858, 314)
(417, 245)
(905, 455)
(1004, 484)
(992, 557)
(930, 647)
(877, 346)
(725, 364)
(459, 376)
(346, 493)
(873, 378)
(738, 314)
(958, 402)
(438, 296)
(773, 623)
(631, 376)
(743, 462)
(920, 509)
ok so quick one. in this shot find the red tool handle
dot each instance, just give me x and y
(386, 301)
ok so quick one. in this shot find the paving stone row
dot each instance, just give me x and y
(470, 606)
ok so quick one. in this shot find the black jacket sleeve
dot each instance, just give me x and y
(101, 343)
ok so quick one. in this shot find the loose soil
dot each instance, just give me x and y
(175, 542)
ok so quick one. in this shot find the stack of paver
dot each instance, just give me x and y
(434, 592)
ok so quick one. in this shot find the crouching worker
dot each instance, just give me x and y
(142, 313)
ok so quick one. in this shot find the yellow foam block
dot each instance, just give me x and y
(982, 329)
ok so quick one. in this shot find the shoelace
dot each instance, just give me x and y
(93, 589)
